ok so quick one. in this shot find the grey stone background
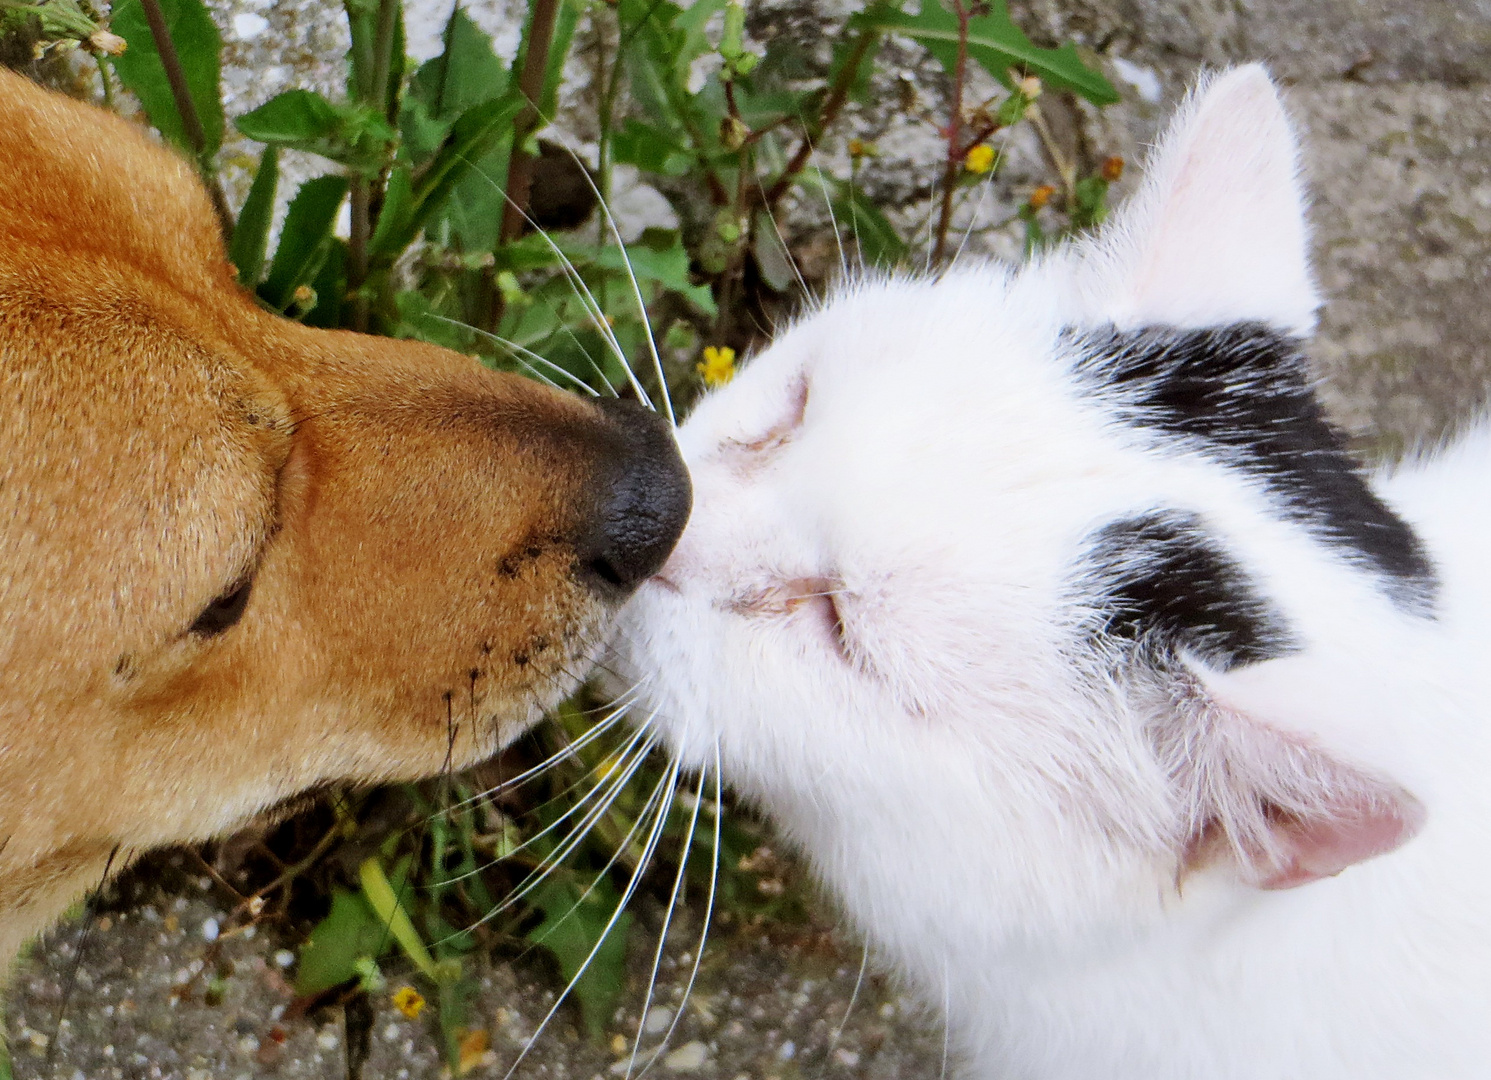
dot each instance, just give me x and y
(1394, 104)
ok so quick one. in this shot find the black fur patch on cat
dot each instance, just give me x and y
(1162, 582)
(1241, 394)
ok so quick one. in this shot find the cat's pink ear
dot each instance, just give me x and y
(1217, 232)
(1345, 832)
(1291, 802)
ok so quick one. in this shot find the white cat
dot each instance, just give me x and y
(1041, 608)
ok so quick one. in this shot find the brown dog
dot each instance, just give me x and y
(240, 557)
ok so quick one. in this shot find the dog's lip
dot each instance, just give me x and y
(664, 581)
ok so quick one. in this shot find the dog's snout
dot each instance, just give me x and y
(643, 499)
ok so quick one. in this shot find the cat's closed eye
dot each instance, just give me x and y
(782, 428)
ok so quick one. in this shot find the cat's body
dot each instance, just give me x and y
(1044, 613)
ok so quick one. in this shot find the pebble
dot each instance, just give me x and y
(689, 1057)
(210, 930)
(284, 958)
(847, 1058)
(787, 1051)
(327, 1039)
(658, 1020)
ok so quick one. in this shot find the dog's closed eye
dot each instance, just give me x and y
(224, 611)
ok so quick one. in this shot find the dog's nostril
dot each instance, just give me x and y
(643, 502)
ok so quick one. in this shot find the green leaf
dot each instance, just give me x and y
(466, 73)
(650, 150)
(874, 235)
(380, 894)
(659, 256)
(469, 140)
(251, 233)
(296, 116)
(199, 47)
(994, 41)
(305, 238)
(772, 257)
(351, 933)
(572, 930)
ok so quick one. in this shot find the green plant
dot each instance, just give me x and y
(435, 166)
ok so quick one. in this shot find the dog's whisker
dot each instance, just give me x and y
(582, 291)
(626, 261)
(520, 352)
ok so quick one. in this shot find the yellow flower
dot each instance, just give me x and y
(1041, 196)
(409, 1001)
(718, 366)
(1112, 170)
(980, 159)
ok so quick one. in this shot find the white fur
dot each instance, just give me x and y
(1006, 823)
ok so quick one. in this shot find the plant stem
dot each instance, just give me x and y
(838, 94)
(366, 193)
(103, 74)
(953, 166)
(191, 122)
(531, 85)
(357, 251)
(383, 59)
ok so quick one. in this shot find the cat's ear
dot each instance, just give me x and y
(1290, 801)
(1217, 233)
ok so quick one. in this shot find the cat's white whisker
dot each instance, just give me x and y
(859, 981)
(631, 887)
(603, 787)
(984, 188)
(574, 839)
(662, 940)
(782, 240)
(714, 877)
(833, 220)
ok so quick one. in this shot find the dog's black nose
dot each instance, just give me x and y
(643, 499)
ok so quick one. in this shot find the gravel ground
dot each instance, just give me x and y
(158, 994)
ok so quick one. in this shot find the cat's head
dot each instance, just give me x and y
(982, 571)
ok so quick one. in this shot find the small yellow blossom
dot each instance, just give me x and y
(718, 366)
(1041, 196)
(409, 1001)
(979, 159)
(1112, 170)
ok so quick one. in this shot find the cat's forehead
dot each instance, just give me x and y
(970, 338)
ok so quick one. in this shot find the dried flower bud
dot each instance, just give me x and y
(105, 42)
(1041, 196)
(1030, 87)
(1112, 170)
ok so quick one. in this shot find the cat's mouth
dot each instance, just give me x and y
(811, 602)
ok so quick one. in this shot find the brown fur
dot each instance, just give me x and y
(403, 514)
